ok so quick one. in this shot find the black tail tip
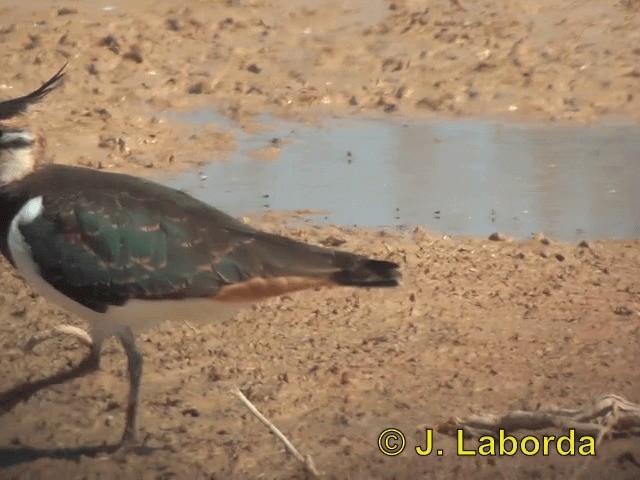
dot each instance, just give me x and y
(369, 273)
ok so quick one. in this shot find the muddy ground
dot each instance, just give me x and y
(477, 326)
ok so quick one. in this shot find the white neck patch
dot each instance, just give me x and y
(19, 164)
(28, 213)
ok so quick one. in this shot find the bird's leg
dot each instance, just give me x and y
(135, 373)
(21, 393)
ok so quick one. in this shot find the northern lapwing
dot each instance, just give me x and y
(125, 253)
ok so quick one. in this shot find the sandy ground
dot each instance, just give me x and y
(477, 326)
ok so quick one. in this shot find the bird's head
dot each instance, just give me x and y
(18, 154)
(19, 148)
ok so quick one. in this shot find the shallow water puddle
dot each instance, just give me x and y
(462, 177)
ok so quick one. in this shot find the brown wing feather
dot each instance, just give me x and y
(259, 288)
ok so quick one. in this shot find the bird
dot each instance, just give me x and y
(125, 253)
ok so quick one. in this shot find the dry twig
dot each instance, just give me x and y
(611, 415)
(307, 461)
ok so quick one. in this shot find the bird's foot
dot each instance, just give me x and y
(130, 444)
